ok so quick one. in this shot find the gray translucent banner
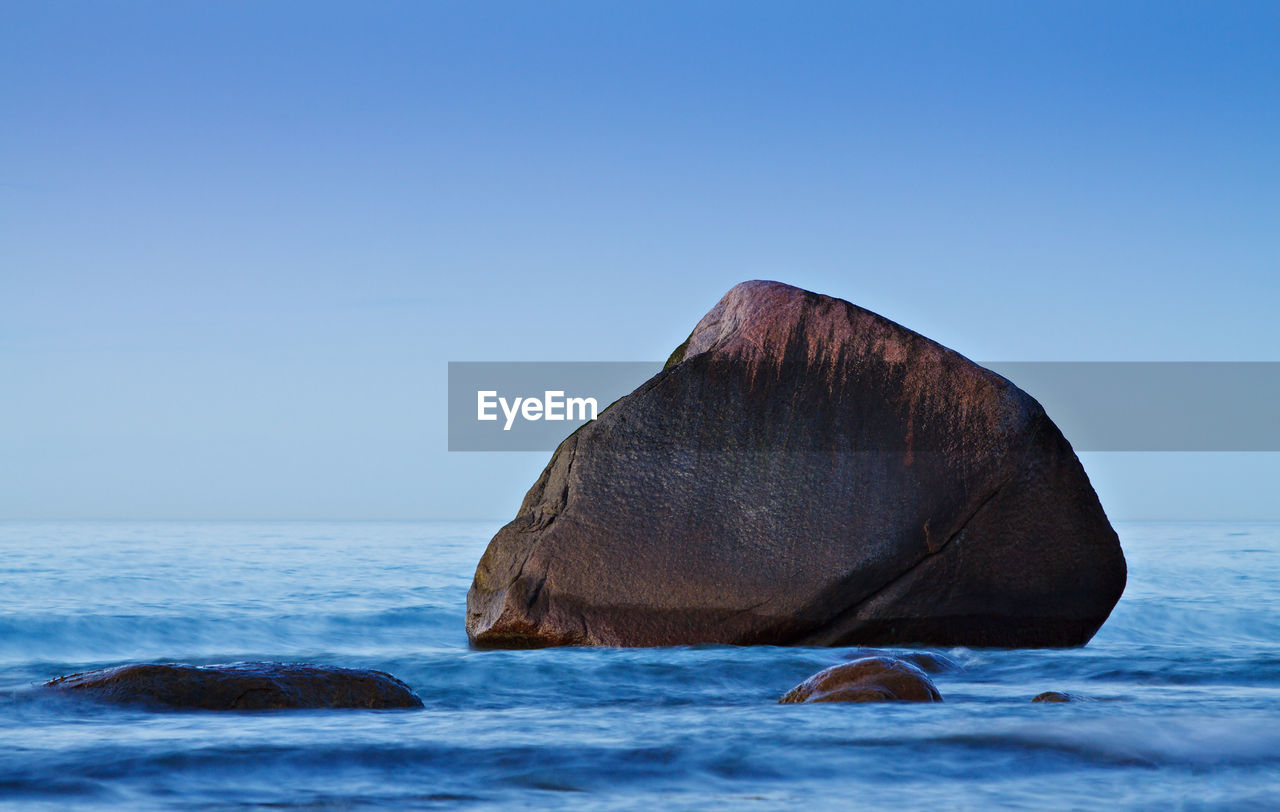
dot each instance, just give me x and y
(1157, 406)
(1100, 406)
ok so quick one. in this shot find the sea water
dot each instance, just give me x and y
(1178, 696)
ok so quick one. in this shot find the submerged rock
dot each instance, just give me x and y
(240, 686)
(871, 679)
(805, 472)
(927, 661)
(1052, 696)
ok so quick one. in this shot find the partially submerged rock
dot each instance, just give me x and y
(239, 686)
(1052, 696)
(871, 679)
(805, 472)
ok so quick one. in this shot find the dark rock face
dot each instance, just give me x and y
(871, 679)
(240, 686)
(805, 472)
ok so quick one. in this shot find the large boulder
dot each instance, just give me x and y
(239, 686)
(805, 472)
(870, 679)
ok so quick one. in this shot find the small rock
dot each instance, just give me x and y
(239, 686)
(871, 679)
(1052, 696)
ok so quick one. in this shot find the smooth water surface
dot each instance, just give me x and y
(1180, 691)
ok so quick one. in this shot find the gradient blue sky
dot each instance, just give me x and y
(239, 241)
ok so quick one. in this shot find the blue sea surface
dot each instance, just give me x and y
(1179, 692)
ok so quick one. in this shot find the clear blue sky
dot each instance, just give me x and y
(239, 241)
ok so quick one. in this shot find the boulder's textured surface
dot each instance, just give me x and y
(804, 471)
(871, 679)
(239, 686)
